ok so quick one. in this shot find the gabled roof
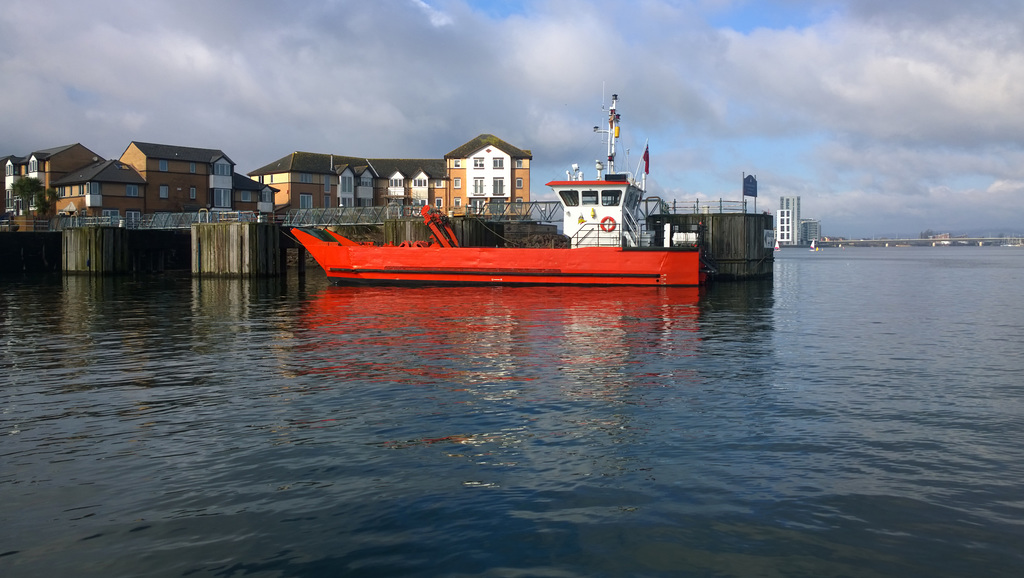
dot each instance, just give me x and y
(171, 152)
(112, 171)
(434, 168)
(303, 162)
(484, 141)
(240, 182)
(47, 153)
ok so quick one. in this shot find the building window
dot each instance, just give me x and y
(478, 162)
(265, 195)
(499, 163)
(192, 193)
(458, 164)
(94, 188)
(499, 187)
(327, 201)
(327, 183)
(131, 190)
(246, 196)
(419, 182)
(133, 218)
(10, 169)
(305, 201)
(478, 186)
(222, 198)
(192, 168)
(456, 183)
(305, 178)
(346, 184)
(458, 202)
(33, 166)
(519, 163)
(164, 191)
(438, 203)
(519, 183)
(397, 183)
(111, 213)
(366, 181)
(163, 165)
(222, 169)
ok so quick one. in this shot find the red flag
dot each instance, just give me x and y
(647, 160)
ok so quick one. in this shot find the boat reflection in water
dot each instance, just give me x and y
(458, 351)
(464, 335)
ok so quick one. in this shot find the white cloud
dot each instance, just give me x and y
(872, 111)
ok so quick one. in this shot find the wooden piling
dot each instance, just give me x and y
(95, 250)
(236, 249)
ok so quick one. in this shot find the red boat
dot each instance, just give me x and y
(608, 245)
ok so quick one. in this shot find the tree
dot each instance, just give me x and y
(25, 190)
(30, 191)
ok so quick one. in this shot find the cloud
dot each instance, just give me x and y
(872, 111)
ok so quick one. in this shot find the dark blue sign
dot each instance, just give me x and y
(749, 186)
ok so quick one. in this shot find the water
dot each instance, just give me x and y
(859, 415)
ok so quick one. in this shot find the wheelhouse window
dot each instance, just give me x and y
(589, 197)
(610, 198)
(570, 198)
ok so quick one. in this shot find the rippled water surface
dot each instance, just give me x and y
(862, 414)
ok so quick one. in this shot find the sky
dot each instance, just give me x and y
(887, 117)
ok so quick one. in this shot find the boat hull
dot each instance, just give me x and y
(347, 263)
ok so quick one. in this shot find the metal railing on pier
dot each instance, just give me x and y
(535, 211)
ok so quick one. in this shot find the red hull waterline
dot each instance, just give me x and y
(349, 263)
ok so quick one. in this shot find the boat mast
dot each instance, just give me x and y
(613, 133)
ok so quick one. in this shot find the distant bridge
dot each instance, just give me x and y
(959, 241)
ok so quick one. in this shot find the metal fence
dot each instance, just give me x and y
(536, 211)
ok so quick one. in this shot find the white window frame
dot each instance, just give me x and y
(192, 193)
(478, 186)
(305, 201)
(222, 198)
(499, 163)
(519, 183)
(165, 192)
(131, 190)
(478, 162)
(498, 187)
(457, 183)
(163, 165)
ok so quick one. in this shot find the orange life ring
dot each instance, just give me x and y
(607, 224)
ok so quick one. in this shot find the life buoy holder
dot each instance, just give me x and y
(608, 224)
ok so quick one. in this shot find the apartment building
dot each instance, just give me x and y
(47, 165)
(102, 189)
(787, 226)
(307, 180)
(484, 170)
(487, 170)
(187, 179)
